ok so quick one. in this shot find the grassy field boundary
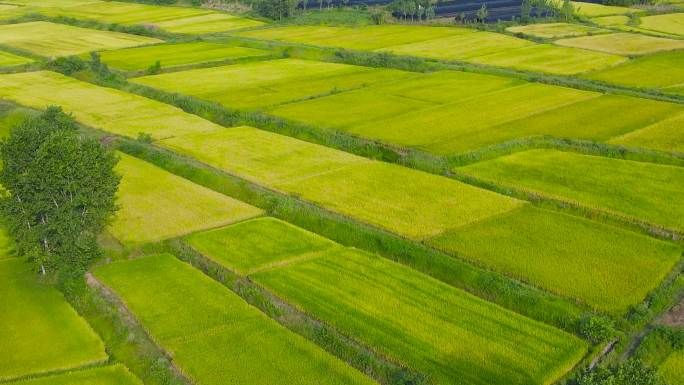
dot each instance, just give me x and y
(354, 353)
(574, 208)
(507, 292)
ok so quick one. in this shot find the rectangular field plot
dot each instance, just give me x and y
(155, 205)
(672, 370)
(365, 38)
(377, 193)
(173, 55)
(623, 43)
(39, 331)
(595, 10)
(266, 83)
(607, 268)
(655, 71)
(646, 191)
(10, 60)
(102, 108)
(258, 244)
(672, 23)
(106, 375)
(447, 334)
(49, 39)
(172, 19)
(215, 337)
(666, 135)
(555, 30)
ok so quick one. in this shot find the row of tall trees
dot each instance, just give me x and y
(413, 9)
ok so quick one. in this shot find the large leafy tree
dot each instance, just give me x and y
(61, 190)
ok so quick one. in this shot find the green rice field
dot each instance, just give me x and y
(596, 10)
(555, 30)
(217, 338)
(381, 194)
(672, 369)
(9, 60)
(262, 84)
(636, 189)
(444, 43)
(429, 326)
(108, 109)
(667, 135)
(567, 255)
(104, 375)
(664, 71)
(671, 23)
(40, 332)
(172, 19)
(173, 55)
(155, 205)
(257, 244)
(623, 43)
(50, 39)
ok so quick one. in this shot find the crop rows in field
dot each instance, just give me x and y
(464, 111)
(171, 19)
(107, 109)
(429, 326)
(9, 60)
(636, 189)
(555, 30)
(40, 332)
(447, 44)
(623, 43)
(567, 260)
(173, 55)
(106, 375)
(671, 23)
(214, 336)
(50, 39)
(155, 205)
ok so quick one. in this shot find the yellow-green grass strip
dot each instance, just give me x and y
(156, 205)
(666, 135)
(210, 23)
(443, 332)
(116, 374)
(173, 55)
(40, 332)
(360, 38)
(672, 23)
(607, 268)
(103, 108)
(672, 369)
(213, 335)
(257, 244)
(611, 21)
(644, 191)
(10, 60)
(381, 194)
(596, 10)
(265, 83)
(555, 30)
(623, 43)
(654, 71)
(50, 39)
(551, 59)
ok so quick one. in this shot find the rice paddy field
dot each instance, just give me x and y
(381, 194)
(671, 23)
(555, 30)
(173, 55)
(667, 135)
(596, 10)
(444, 43)
(623, 43)
(567, 255)
(218, 338)
(672, 369)
(52, 40)
(155, 205)
(256, 85)
(638, 190)
(40, 332)
(354, 291)
(180, 20)
(104, 375)
(9, 60)
(107, 109)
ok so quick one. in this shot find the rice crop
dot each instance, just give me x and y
(555, 30)
(116, 374)
(623, 43)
